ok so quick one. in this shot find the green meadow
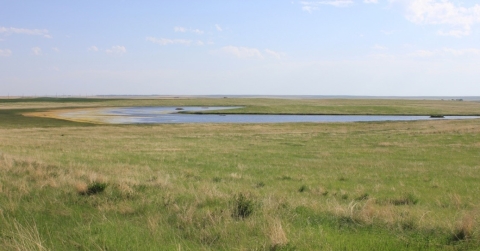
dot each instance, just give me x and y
(294, 186)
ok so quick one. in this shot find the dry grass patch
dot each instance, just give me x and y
(22, 237)
(467, 227)
(276, 234)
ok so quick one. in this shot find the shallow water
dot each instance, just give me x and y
(168, 115)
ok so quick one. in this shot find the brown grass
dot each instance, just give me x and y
(276, 234)
(24, 237)
(466, 227)
(81, 187)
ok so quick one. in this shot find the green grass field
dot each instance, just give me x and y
(303, 186)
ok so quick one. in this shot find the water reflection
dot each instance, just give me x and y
(166, 115)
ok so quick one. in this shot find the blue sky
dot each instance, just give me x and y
(268, 47)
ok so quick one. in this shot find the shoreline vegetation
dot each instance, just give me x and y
(409, 185)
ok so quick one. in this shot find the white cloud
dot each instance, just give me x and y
(455, 33)
(34, 32)
(446, 52)
(387, 32)
(311, 6)
(5, 53)
(443, 12)
(308, 8)
(422, 53)
(275, 54)
(55, 49)
(167, 41)
(92, 48)
(179, 29)
(197, 31)
(241, 52)
(37, 51)
(218, 27)
(183, 30)
(370, 1)
(379, 47)
(462, 52)
(117, 49)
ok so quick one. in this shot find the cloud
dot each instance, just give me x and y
(275, 54)
(446, 52)
(55, 49)
(422, 53)
(462, 52)
(5, 53)
(218, 27)
(241, 52)
(311, 6)
(37, 51)
(370, 1)
(117, 49)
(33, 32)
(92, 48)
(167, 41)
(179, 29)
(455, 33)
(379, 47)
(183, 30)
(248, 53)
(197, 31)
(442, 12)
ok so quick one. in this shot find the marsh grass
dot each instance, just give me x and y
(388, 186)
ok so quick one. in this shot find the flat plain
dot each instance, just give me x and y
(294, 186)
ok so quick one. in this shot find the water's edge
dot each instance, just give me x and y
(191, 114)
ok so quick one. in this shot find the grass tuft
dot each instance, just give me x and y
(465, 230)
(303, 188)
(278, 237)
(363, 196)
(407, 199)
(93, 188)
(243, 206)
(81, 188)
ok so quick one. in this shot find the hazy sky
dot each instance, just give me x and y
(329, 47)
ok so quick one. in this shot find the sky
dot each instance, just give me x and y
(240, 47)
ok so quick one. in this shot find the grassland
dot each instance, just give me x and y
(306, 186)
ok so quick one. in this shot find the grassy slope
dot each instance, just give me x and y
(358, 186)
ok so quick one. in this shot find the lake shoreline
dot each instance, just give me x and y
(182, 114)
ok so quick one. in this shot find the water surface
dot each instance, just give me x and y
(168, 115)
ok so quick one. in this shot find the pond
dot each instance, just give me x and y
(168, 115)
